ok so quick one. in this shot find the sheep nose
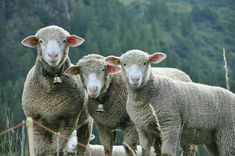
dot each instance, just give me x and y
(135, 79)
(53, 55)
(93, 89)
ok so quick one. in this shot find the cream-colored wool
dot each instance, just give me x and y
(61, 107)
(113, 96)
(188, 113)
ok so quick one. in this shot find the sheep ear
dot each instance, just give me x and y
(112, 69)
(157, 57)
(30, 41)
(113, 60)
(74, 40)
(74, 70)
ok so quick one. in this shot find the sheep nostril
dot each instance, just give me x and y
(53, 55)
(93, 89)
(135, 79)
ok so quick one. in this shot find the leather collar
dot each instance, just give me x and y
(48, 74)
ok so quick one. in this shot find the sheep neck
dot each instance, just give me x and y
(48, 74)
(51, 72)
(135, 95)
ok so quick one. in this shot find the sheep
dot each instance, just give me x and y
(109, 90)
(186, 112)
(52, 98)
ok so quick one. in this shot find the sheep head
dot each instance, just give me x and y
(136, 65)
(52, 44)
(94, 73)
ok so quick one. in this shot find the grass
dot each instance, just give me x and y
(13, 143)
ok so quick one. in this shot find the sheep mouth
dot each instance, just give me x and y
(135, 85)
(53, 63)
(93, 95)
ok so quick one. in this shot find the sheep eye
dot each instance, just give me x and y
(124, 64)
(103, 69)
(145, 63)
(64, 41)
(40, 41)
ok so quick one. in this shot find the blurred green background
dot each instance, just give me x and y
(191, 32)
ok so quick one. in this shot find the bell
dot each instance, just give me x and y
(56, 79)
(100, 108)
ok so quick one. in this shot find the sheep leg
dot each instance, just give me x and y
(42, 141)
(66, 128)
(145, 141)
(170, 140)
(130, 140)
(107, 137)
(83, 136)
(189, 150)
(157, 144)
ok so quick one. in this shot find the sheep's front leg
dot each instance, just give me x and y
(83, 136)
(66, 127)
(146, 141)
(42, 141)
(130, 140)
(157, 144)
(170, 140)
(107, 137)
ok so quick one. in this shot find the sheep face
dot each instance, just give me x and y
(52, 51)
(94, 82)
(94, 73)
(52, 43)
(136, 66)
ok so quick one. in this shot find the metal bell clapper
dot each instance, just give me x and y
(56, 79)
(100, 108)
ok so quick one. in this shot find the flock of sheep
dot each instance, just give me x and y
(156, 107)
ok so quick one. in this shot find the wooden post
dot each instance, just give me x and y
(226, 69)
(58, 144)
(29, 124)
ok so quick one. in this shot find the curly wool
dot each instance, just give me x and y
(188, 113)
(114, 96)
(59, 107)
(47, 32)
